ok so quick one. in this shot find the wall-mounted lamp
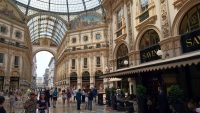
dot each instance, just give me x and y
(107, 69)
(126, 62)
(162, 54)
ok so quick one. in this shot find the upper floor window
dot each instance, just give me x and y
(18, 35)
(119, 19)
(85, 62)
(190, 21)
(85, 38)
(73, 40)
(3, 29)
(1, 57)
(98, 36)
(16, 63)
(144, 5)
(73, 63)
(150, 38)
(98, 62)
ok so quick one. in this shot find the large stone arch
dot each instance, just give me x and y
(52, 50)
(117, 46)
(181, 13)
(140, 34)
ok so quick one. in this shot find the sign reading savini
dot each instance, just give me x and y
(191, 41)
(149, 54)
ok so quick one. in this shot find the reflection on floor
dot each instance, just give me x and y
(60, 109)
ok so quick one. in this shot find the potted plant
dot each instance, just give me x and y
(175, 98)
(108, 93)
(141, 96)
(113, 98)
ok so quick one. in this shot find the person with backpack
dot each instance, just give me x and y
(55, 97)
(68, 96)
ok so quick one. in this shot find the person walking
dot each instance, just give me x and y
(74, 92)
(42, 104)
(162, 101)
(94, 90)
(90, 99)
(13, 99)
(2, 100)
(86, 101)
(55, 97)
(51, 94)
(83, 96)
(78, 98)
(64, 97)
(47, 96)
(68, 97)
(30, 104)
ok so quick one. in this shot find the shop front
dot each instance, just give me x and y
(1, 80)
(86, 80)
(14, 82)
(99, 81)
(73, 80)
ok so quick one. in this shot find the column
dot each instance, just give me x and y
(105, 83)
(92, 79)
(132, 82)
(79, 81)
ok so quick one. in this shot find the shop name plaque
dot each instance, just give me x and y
(191, 41)
(149, 54)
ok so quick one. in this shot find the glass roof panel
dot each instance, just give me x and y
(40, 4)
(46, 25)
(61, 5)
(91, 4)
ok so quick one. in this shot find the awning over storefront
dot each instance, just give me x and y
(115, 79)
(186, 59)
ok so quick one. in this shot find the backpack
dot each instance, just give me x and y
(55, 93)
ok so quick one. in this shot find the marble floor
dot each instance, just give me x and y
(64, 109)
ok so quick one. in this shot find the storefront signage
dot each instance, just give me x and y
(85, 78)
(98, 78)
(191, 41)
(73, 78)
(1, 78)
(149, 54)
(14, 78)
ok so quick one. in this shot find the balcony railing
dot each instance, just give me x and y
(2, 40)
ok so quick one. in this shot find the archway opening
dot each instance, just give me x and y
(43, 66)
(86, 80)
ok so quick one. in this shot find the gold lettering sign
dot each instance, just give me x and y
(195, 41)
(150, 54)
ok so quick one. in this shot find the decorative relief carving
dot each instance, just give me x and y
(131, 47)
(164, 19)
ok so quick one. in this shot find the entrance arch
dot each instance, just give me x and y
(86, 80)
(98, 80)
(73, 79)
(52, 50)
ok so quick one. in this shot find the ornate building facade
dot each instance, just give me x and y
(51, 72)
(15, 49)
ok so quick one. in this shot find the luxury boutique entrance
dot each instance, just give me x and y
(86, 80)
(73, 80)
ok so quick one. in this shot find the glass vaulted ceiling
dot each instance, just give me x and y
(62, 6)
(46, 26)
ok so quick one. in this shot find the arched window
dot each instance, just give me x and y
(73, 74)
(149, 39)
(190, 21)
(122, 55)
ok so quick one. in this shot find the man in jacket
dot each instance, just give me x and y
(78, 98)
(90, 99)
(94, 90)
(162, 101)
(30, 105)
